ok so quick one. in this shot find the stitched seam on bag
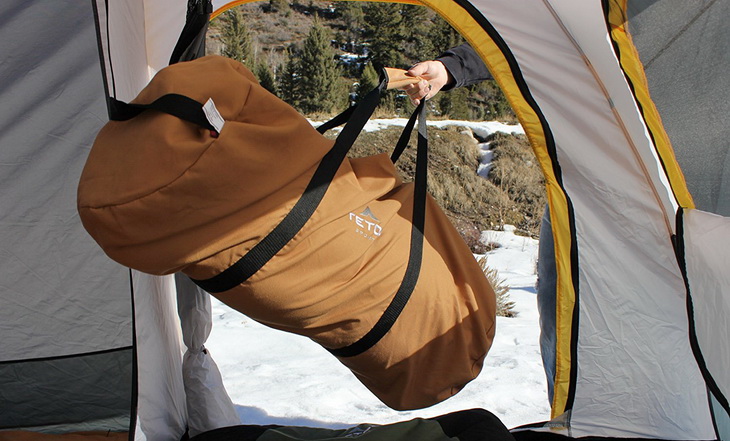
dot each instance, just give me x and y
(236, 67)
(157, 190)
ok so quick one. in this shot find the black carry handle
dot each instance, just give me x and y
(174, 104)
(415, 257)
(356, 117)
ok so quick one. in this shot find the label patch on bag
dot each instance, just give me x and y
(213, 116)
(366, 224)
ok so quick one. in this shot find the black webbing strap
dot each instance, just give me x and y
(413, 269)
(191, 43)
(267, 248)
(337, 120)
(405, 136)
(356, 118)
(180, 106)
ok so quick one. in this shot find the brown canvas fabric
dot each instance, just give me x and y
(162, 195)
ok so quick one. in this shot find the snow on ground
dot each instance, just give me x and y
(481, 129)
(278, 378)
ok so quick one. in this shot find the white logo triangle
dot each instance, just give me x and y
(369, 213)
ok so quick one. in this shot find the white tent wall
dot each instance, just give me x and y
(138, 41)
(706, 245)
(632, 324)
(683, 49)
(161, 411)
(137, 38)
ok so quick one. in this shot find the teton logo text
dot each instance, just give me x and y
(366, 224)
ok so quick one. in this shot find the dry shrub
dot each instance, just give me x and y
(472, 236)
(505, 307)
(516, 171)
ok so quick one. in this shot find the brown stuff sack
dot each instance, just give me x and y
(161, 194)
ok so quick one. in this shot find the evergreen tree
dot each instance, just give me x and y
(384, 32)
(237, 41)
(319, 71)
(418, 22)
(266, 76)
(442, 36)
(290, 79)
(368, 81)
(353, 17)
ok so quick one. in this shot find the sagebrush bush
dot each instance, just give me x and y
(505, 307)
(515, 170)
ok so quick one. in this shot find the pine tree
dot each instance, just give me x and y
(237, 41)
(442, 36)
(384, 32)
(289, 81)
(266, 76)
(319, 72)
(418, 25)
(368, 81)
(353, 16)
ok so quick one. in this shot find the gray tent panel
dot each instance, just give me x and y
(65, 304)
(685, 49)
(77, 399)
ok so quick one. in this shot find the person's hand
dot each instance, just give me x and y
(435, 77)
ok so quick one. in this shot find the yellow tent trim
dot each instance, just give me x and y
(498, 65)
(632, 66)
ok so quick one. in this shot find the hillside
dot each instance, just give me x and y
(513, 192)
(359, 33)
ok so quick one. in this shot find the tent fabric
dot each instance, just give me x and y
(43, 150)
(57, 390)
(208, 403)
(592, 116)
(625, 365)
(706, 241)
(16, 435)
(684, 49)
(160, 393)
(66, 309)
(682, 46)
